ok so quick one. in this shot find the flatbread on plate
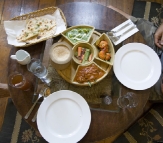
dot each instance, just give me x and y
(36, 29)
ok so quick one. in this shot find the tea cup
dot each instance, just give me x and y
(60, 55)
(19, 81)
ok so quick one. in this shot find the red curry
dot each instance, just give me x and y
(88, 73)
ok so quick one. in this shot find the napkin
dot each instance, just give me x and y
(148, 29)
(126, 32)
(15, 27)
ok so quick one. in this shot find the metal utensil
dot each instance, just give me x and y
(30, 110)
(34, 117)
(116, 38)
(46, 93)
(112, 32)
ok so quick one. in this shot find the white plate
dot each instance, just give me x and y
(137, 66)
(63, 117)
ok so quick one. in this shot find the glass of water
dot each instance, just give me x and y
(39, 70)
(128, 101)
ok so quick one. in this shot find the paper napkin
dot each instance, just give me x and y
(126, 32)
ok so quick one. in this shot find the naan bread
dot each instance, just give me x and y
(42, 35)
(36, 29)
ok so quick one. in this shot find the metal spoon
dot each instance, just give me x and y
(30, 110)
(46, 93)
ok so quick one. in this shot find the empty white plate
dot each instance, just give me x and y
(63, 117)
(137, 66)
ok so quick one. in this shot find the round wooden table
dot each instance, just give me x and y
(103, 123)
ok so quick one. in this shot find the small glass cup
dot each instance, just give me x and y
(36, 67)
(39, 70)
(128, 101)
(17, 80)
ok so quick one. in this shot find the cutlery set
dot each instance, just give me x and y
(112, 32)
(116, 38)
(43, 94)
(122, 32)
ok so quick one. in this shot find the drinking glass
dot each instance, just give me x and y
(36, 67)
(19, 81)
(39, 70)
(128, 101)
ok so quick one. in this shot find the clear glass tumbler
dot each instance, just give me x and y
(128, 101)
(39, 70)
(17, 80)
(36, 67)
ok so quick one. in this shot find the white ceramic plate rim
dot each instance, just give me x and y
(85, 117)
(153, 59)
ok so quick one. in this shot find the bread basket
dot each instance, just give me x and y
(38, 13)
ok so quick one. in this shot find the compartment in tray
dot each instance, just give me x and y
(83, 53)
(104, 49)
(89, 74)
(105, 66)
(80, 33)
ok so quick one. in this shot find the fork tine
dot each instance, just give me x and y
(111, 33)
(115, 38)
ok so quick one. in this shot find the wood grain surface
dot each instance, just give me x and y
(102, 122)
(10, 9)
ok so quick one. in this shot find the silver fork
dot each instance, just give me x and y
(44, 96)
(31, 109)
(116, 38)
(34, 117)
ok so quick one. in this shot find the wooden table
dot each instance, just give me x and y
(103, 124)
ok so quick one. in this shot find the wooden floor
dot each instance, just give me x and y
(12, 8)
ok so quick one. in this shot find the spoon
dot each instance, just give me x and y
(30, 110)
(46, 94)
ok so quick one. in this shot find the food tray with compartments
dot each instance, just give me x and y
(71, 71)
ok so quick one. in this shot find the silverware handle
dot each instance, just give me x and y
(134, 26)
(34, 118)
(124, 26)
(30, 110)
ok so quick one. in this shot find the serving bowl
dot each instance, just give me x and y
(89, 74)
(104, 49)
(83, 53)
(60, 55)
(80, 33)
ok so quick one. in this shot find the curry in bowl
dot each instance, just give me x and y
(88, 74)
(78, 34)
